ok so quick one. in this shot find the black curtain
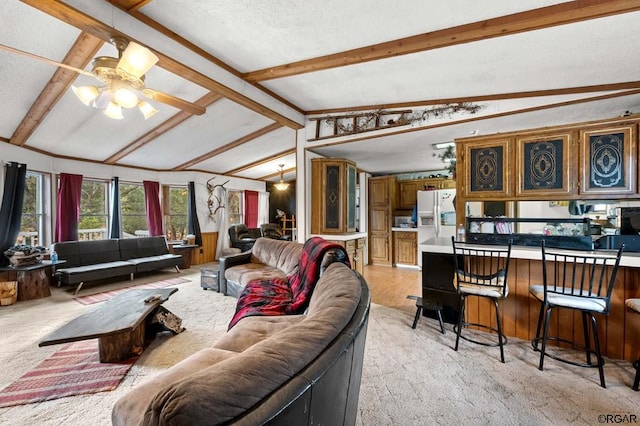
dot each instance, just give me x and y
(114, 226)
(193, 226)
(15, 180)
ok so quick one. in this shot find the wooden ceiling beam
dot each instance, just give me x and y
(231, 145)
(261, 162)
(162, 128)
(129, 5)
(81, 53)
(531, 20)
(277, 174)
(84, 22)
(483, 98)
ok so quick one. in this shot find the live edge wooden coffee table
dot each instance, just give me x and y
(119, 324)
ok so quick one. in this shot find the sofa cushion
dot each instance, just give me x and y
(78, 274)
(245, 273)
(251, 330)
(283, 255)
(130, 409)
(220, 393)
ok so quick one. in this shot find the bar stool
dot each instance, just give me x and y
(634, 305)
(581, 281)
(481, 270)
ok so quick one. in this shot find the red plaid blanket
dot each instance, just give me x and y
(290, 296)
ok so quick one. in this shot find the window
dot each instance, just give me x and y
(94, 215)
(174, 206)
(234, 204)
(133, 208)
(32, 226)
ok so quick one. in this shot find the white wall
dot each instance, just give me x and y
(46, 164)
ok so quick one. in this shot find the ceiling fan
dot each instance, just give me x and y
(123, 80)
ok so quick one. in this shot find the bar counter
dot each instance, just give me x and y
(619, 332)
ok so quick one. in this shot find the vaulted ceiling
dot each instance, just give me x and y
(263, 70)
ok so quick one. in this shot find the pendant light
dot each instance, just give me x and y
(282, 185)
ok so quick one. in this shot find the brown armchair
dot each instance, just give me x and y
(243, 237)
(273, 231)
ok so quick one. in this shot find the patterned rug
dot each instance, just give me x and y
(75, 369)
(106, 295)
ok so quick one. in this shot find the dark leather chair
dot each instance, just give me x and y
(243, 237)
(273, 231)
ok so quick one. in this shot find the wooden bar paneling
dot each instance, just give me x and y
(619, 332)
(207, 252)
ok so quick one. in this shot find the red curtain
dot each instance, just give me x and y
(69, 195)
(251, 208)
(154, 211)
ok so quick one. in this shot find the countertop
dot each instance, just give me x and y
(401, 229)
(443, 245)
(341, 237)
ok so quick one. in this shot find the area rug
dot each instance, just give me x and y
(106, 295)
(75, 369)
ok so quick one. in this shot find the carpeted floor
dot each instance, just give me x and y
(410, 377)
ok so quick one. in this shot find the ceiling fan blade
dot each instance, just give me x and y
(45, 60)
(174, 102)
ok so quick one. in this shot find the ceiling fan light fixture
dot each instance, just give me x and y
(136, 60)
(146, 109)
(125, 97)
(114, 111)
(86, 94)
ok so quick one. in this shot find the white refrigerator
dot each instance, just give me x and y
(436, 216)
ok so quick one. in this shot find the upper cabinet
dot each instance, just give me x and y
(581, 161)
(333, 196)
(407, 190)
(487, 168)
(608, 158)
(543, 165)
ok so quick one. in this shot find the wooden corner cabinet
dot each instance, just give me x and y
(382, 200)
(333, 196)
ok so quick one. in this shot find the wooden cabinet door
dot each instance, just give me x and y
(379, 220)
(544, 166)
(609, 160)
(408, 193)
(405, 249)
(487, 169)
(379, 250)
(379, 191)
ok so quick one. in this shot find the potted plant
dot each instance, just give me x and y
(448, 156)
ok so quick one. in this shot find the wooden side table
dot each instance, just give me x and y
(185, 250)
(33, 280)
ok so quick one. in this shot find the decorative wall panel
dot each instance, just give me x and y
(543, 165)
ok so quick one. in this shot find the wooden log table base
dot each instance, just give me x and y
(120, 323)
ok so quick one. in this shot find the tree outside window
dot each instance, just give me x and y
(133, 209)
(174, 206)
(94, 214)
(32, 225)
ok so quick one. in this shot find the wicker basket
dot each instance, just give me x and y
(8, 292)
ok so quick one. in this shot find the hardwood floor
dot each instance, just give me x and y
(391, 286)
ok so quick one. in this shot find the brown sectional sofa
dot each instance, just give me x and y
(268, 258)
(280, 370)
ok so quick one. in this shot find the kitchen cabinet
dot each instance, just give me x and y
(382, 201)
(333, 196)
(407, 193)
(355, 250)
(405, 248)
(544, 165)
(609, 160)
(407, 189)
(486, 168)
